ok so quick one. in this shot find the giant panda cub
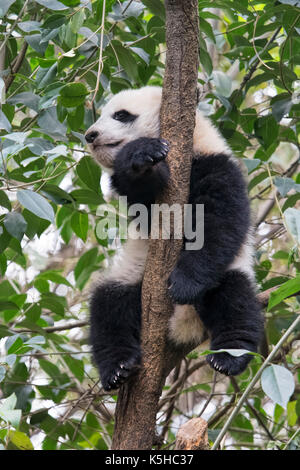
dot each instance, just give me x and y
(213, 286)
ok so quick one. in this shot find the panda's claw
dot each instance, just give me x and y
(114, 378)
(227, 364)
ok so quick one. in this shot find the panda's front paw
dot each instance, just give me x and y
(183, 289)
(114, 375)
(228, 365)
(148, 152)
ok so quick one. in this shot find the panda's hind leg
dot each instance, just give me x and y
(115, 331)
(232, 315)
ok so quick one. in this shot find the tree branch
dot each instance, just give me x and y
(17, 65)
(138, 399)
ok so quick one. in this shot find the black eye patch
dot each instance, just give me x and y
(124, 116)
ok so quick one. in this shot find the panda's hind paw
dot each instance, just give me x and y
(227, 364)
(120, 373)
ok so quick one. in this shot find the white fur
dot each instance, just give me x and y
(129, 263)
(145, 103)
(185, 325)
(207, 139)
(244, 260)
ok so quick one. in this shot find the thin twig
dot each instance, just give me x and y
(255, 65)
(100, 65)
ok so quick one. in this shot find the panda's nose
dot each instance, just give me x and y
(91, 136)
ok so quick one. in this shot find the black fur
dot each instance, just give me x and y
(225, 300)
(124, 116)
(216, 182)
(232, 315)
(115, 331)
(140, 172)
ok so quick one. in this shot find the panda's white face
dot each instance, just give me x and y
(127, 116)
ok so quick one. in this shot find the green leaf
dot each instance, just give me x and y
(13, 344)
(291, 413)
(73, 94)
(205, 60)
(49, 443)
(232, 352)
(45, 76)
(284, 185)
(8, 305)
(223, 83)
(85, 266)
(156, 7)
(5, 4)
(34, 40)
(36, 204)
(51, 369)
(77, 21)
(281, 107)
(207, 29)
(126, 59)
(75, 117)
(4, 122)
(86, 196)
(251, 163)
(15, 224)
(2, 373)
(54, 277)
(3, 264)
(4, 200)
(56, 194)
(52, 4)
(80, 224)
(11, 416)
(266, 129)
(9, 403)
(35, 340)
(89, 172)
(48, 121)
(76, 366)
(20, 440)
(53, 302)
(29, 26)
(292, 286)
(27, 98)
(278, 383)
(8, 413)
(290, 201)
(292, 218)
(54, 21)
(248, 117)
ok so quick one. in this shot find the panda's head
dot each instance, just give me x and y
(127, 116)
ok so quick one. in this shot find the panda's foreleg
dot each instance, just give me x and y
(115, 331)
(140, 170)
(232, 315)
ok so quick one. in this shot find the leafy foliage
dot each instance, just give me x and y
(51, 88)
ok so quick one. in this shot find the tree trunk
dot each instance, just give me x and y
(138, 399)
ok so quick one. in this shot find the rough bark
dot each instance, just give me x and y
(138, 400)
(192, 435)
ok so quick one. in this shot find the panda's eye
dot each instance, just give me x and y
(124, 116)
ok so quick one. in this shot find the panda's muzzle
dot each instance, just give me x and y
(91, 136)
(114, 144)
